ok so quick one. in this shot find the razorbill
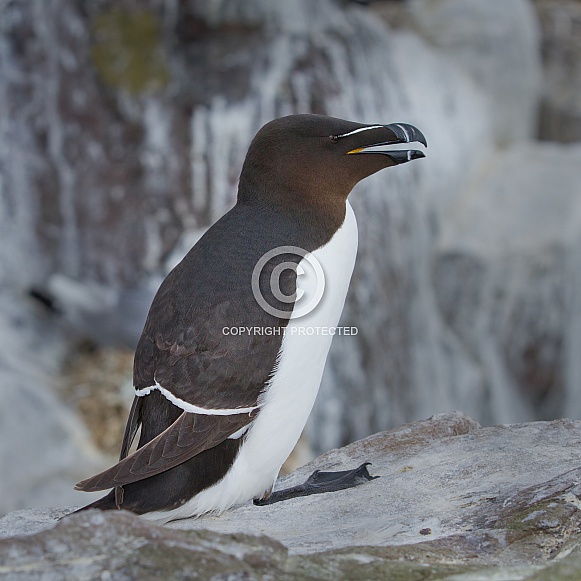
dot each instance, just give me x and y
(227, 368)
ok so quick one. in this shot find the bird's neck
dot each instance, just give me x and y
(319, 212)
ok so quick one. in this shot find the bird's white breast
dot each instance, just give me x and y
(291, 394)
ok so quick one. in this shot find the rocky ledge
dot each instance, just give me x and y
(453, 501)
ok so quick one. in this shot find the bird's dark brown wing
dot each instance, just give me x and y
(189, 435)
(132, 426)
(206, 339)
(205, 365)
(199, 365)
(188, 348)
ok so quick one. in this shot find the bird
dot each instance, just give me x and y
(224, 378)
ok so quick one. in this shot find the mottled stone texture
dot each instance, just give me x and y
(92, 134)
(452, 499)
(560, 115)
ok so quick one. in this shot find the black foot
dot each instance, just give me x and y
(319, 482)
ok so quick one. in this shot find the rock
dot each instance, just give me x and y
(453, 498)
(103, 314)
(491, 41)
(98, 385)
(44, 448)
(507, 281)
(560, 114)
(120, 546)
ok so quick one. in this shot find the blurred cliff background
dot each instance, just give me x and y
(123, 127)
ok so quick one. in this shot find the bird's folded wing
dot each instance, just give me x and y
(189, 435)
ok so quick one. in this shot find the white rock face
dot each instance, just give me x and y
(514, 240)
(44, 448)
(497, 44)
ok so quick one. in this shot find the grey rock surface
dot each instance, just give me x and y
(45, 451)
(44, 447)
(515, 237)
(560, 114)
(452, 499)
(491, 41)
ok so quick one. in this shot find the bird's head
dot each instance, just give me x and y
(302, 158)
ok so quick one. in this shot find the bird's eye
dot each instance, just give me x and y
(334, 138)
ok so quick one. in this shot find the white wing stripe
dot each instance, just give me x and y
(188, 407)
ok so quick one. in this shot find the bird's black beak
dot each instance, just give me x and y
(379, 139)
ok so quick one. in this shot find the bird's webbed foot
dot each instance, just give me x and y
(319, 482)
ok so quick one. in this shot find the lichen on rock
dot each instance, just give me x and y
(127, 50)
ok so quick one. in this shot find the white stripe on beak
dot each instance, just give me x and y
(360, 130)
